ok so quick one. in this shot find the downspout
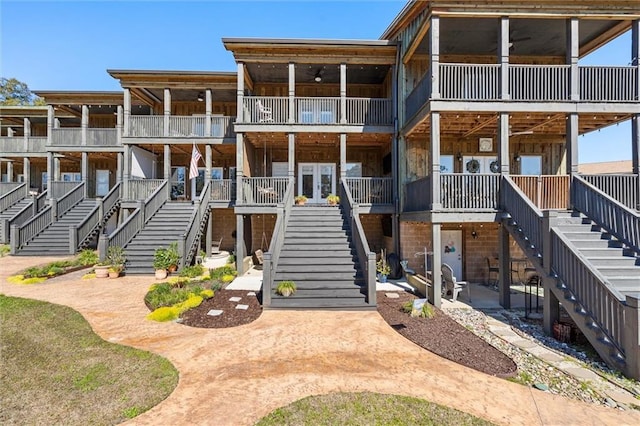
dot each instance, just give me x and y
(395, 224)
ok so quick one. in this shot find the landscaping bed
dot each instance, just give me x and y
(231, 317)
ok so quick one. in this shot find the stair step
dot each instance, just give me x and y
(585, 235)
(319, 276)
(620, 271)
(320, 303)
(354, 292)
(313, 253)
(599, 244)
(316, 268)
(333, 260)
(333, 284)
(624, 261)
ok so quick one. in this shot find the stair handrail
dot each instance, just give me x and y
(68, 200)
(22, 234)
(41, 200)
(13, 196)
(20, 217)
(112, 198)
(271, 257)
(190, 237)
(608, 213)
(602, 301)
(366, 257)
(79, 232)
(153, 202)
(522, 211)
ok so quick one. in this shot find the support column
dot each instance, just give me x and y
(291, 166)
(126, 170)
(240, 95)
(434, 155)
(241, 250)
(84, 124)
(207, 162)
(209, 236)
(119, 125)
(27, 133)
(119, 166)
(9, 171)
(435, 291)
(573, 54)
(50, 119)
(167, 111)
(208, 106)
(239, 167)
(551, 305)
(167, 162)
(292, 92)
(504, 256)
(127, 111)
(503, 149)
(84, 172)
(343, 155)
(572, 143)
(26, 171)
(50, 171)
(434, 56)
(635, 120)
(343, 93)
(56, 168)
(503, 57)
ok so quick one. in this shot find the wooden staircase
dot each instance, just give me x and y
(9, 214)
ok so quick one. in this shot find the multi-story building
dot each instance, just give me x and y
(455, 135)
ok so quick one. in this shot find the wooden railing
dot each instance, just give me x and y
(222, 190)
(539, 82)
(81, 231)
(369, 111)
(470, 81)
(266, 109)
(41, 200)
(21, 234)
(371, 190)
(146, 126)
(180, 126)
(469, 191)
(317, 110)
(59, 188)
(139, 189)
(11, 193)
(264, 190)
(67, 201)
(66, 136)
(222, 127)
(366, 257)
(605, 304)
(112, 198)
(418, 195)
(272, 257)
(548, 192)
(94, 137)
(621, 187)
(524, 214)
(19, 218)
(37, 144)
(620, 221)
(102, 137)
(186, 126)
(156, 200)
(613, 84)
(419, 95)
(189, 243)
(16, 144)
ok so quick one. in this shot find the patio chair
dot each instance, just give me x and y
(215, 246)
(453, 285)
(265, 113)
(259, 259)
(492, 270)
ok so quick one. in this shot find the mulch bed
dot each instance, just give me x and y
(445, 337)
(231, 317)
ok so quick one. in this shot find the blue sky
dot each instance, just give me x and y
(67, 45)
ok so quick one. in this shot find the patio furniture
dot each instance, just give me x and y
(215, 246)
(493, 269)
(452, 284)
(265, 113)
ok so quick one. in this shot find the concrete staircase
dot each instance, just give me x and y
(8, 214)
(54, 240)
(318, 256)
(166, 226)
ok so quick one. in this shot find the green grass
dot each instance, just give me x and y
(367, 409)
(55, 370)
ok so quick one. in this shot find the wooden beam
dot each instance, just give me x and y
(69, 110)
(417, 39)
(138, 93)
(248, 81)
(481, 126)
(604, 38)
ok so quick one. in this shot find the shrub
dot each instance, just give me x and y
(87, 257)
(21, 279)
(427, 311)
(231, 258)
(407, 307)
(227, 278)
(165, 313)
(286, 288)
(207, 294)
(220, 272)
(192, 302)
(192, 271)
(116, 255)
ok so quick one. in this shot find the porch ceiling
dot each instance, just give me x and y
(524, 126)
(280, 140)
(306, 73)
(219, 149)
(76, 157)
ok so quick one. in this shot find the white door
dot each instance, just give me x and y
(102, 183)
(198, 183)
(480, 164)
(451, 251)
(316, 181)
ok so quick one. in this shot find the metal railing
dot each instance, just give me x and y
(102, 137)
(264, 190)
(524, 213)
(419, 95)
(189, 243)
(613, 84)
(620, 221)
(547, 192)
(418, 195)
(470, 82)
(469, 191)
(11, 193)
(270, 258)
(319, 110)
(68, 200)
(222, 190)
(621, 187)
(266, 109)
(539, 82)
(59, 188)
(140, 189)
(366, 257)
(369, 111)
(146, 126)
(22, 234)
(371, 190)
(66, 136)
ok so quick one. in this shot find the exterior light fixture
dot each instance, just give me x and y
(200, 97)
(318, 77)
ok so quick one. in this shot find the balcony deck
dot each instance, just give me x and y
(180, 129)
(32, 146)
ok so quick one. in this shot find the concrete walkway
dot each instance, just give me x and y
(236, 376)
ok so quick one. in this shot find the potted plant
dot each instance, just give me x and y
(115, 271)
(173, 257)
(300, 200)
(333, 199)
(286, 288)
(116, 259)
(161, 263)
(101, 269)
(383, 268)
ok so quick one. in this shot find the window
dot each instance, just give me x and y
(354, 169)
(531, 165)
(446, 164)
(279, 169)
(216, 173)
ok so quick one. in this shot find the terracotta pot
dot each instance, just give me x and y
(173, 268)
(161, 274)
(286, 292)
(101, 271)
(114, 274)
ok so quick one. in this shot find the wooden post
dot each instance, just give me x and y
(343, 93)
(434, 56)
(208, 111)
(239, 165)
(50, 172)
(635, 120)
(126, 170)
(291, 166)
(292, 93)
(504, 157)
(9, 171)
(84, 172)
(240, 96)
(241, 250)
(632, 336)
(572, 150)
(26, 172)
(504, 256)
(84, 124)
(207, 162)
(343, 155)
(119, 161)
(209, 236)
(573, 54)
(167, 162)
(167, 111)
(10, 132)
(119, 125)
(436, 203)
(503, 58)
(56, 168)
(127, 110)
(435, 291)
(27, 134)
(551, 305)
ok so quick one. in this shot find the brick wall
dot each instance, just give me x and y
(372, 224)
(262, 223)
(224, 224)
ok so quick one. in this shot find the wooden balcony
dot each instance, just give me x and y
(274, 110)
(95, 137)
(190, 127)
(371, 190)
(222, 190)
(265, 191)
(623, 188)
(32, 145)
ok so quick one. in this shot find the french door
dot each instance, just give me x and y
(316, 181)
